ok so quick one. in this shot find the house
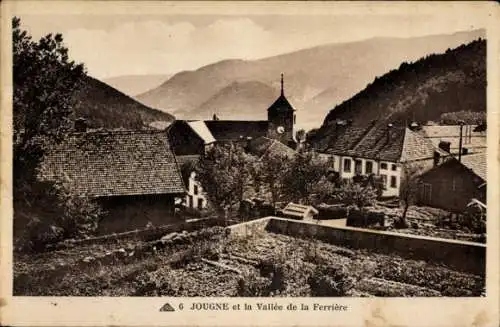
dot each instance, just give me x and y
(453, 185)
(381, 150)
(133, 175)
(190, 137)
(448, 137)
(195, 197)
(263, 146)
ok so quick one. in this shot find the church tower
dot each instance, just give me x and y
(281, 120)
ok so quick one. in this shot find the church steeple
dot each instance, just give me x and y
(282, 86)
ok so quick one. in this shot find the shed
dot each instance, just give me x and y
(299, 211)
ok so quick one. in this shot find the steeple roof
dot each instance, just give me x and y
(281, 104)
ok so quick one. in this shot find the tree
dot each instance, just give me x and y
(351, 193)
(301, 178)
(225, 173)
(409, 188)
(44, 82)
(269, 174)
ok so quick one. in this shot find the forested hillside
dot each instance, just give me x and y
(421, 91)
(104, 106)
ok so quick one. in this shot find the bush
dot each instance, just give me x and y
(331, 212)
(252, 284)
(331, 280)
(356, 218)
(46, 213)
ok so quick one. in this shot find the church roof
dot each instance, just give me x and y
(237, 130)
(281, 105)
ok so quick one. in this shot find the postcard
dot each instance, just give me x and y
(249, 163)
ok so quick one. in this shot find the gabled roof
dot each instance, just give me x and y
(200, 128)
(237, 130)
(476, 163)
(281, 105)
(99, 164)
(395, 144)
(265, 146)
(451, 133)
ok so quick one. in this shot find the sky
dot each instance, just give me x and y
(145, 44)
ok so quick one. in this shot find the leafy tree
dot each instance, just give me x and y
(468, 117)
(269, 174)
(300, 179)
(44, 81)
(409, 188)
(351, 193)
(225, 173)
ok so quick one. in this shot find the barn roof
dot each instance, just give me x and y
(200, 128)
(476, 163)
(395, 144)
(236, 130)
(99, 164)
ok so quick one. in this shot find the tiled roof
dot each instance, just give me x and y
(99, 164)
(451, 133)
(187, 158)
(476, 163)
(236, 130)
(380, 143)
(281, 105)
(264, 145)
(200, 128)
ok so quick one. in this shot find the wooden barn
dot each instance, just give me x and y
(453, 184)
(133, 175)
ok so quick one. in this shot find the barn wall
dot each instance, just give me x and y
(184, 140)
(452, 188)
(125, 213)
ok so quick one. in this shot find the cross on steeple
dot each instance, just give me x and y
(282, 88)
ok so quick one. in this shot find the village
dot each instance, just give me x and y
(221, 207)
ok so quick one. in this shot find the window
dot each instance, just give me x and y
(394, 182)
(369, 167)
(358, 167)
(200, 204)
(294, 119)
(195, 190)
(347, 165)
(394, 167)
(384, 179)
(383, 165)
(190, 201)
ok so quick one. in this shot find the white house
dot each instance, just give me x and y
(381, 150)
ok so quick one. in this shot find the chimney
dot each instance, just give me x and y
(444, 145)
(80, 125)
(389, 127)
(414, 126)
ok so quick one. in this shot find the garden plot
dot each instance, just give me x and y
(264, 264)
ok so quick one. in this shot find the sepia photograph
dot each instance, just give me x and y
(250, 153)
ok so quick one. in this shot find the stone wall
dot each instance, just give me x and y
(459, 255)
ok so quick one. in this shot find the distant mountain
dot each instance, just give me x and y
(104, 106)
(316, 79)
(420, 91)
(239, 100)
(133, 85)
